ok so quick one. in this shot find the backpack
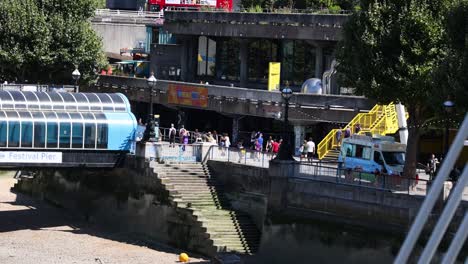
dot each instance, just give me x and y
(172, 132)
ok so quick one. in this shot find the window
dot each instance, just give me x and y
(26, 134)
(261, 53)
(65, 135)
(378, 158)
(77, 135)
(206, 56)
(13, 133)
(3, 133)
(90, 135)
(394, 158)
(229, 58)
(102, 136)
(357, 151)
(52, 134)
(39, 134)
(348, 150)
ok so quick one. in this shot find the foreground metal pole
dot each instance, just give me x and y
(444, 220)
(426, 207)
(457, 242)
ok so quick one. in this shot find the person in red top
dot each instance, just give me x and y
(275, 147)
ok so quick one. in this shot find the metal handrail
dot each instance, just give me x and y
(381, 119)
(429, 202)
(126, 13)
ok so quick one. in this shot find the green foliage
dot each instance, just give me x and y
(334, 5)
(43, 41)
(255, 9)
(390, 50)
(451, 78)
(412, 51)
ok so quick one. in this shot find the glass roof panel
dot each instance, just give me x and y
(76, 116)
(19, 100)
(106, 101)
(82, 101)
(119, 103)
(70, 103)
(7, 101)
(31, 100)
(88, 117)
(12, 114)
(63, 101)
(96, 104)
(63, 116)
(57, 101)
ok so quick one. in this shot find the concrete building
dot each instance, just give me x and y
(236, 48)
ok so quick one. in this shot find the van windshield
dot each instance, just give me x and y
(394, 158)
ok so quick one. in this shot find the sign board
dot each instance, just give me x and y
(30, 157)
(188, 95)
(274, 73)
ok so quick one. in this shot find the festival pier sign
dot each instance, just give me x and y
(188, 95)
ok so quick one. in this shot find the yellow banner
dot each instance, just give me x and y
(274, 76)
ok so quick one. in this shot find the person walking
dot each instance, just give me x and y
(181, 134)
(347, 132)
(258, 150)
(357, 128)
(303, 150)
(185, 139)
(432, 167)
(260, 141)
(240, 146)
(172, 136)
(338, 134)
(310, 150)
(275, 147)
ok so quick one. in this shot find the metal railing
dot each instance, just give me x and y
(179, 153)
(241, 156)
(128, 14)
(332, 172)
(448, 212)
(37, 87)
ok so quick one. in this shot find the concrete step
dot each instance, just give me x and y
(193, 188)
(193, 183)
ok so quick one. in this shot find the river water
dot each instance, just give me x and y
(319, 242)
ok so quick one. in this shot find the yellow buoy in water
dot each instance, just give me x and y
(183, 257)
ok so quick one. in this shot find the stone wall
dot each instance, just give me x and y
(130, 199)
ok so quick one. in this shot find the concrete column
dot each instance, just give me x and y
(184, 67)
(299, 135)
(318, 62)
(235, 130)
(244, 57)
(192, 47)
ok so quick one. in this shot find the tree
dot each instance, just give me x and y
(390, 51)
(44, 40)
(451, 77)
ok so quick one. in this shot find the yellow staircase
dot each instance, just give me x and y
(381, 119)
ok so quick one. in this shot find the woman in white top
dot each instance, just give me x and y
(227, 142)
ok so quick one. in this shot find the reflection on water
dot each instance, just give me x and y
(319, 242)
(322, 243)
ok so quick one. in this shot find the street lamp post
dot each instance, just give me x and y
(150, 132)
(76, 76)
(285, 152)
(448, 107)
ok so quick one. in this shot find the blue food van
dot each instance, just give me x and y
(372, 154)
